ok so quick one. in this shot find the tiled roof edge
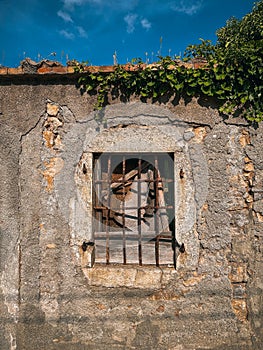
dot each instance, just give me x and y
(59, 69)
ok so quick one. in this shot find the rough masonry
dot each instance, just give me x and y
(51, 299)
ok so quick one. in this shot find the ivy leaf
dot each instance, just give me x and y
(89, 87)
(151, 83)
(179, 87)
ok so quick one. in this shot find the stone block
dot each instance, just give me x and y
(258, 206)
(240, 309)
(238, 273)
(110, 276)
(249, 167)
(241, 249)
(52, 109)
(146, 278)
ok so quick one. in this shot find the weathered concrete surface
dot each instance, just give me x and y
(49, 300)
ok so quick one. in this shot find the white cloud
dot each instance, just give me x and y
(188, 7)
(69, 4)
(123, 5)
(117, 4)
(146, 24)
(130, 20)
(65, 16)
(66, 34)
(82, 33)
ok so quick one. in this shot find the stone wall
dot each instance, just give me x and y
(50, 299)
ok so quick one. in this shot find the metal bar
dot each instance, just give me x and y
(145, 207)
(135, 154)
(128, 182)
(108, 211)
(98, 175)
(139, 212)
(174, 249)
(148, 235)
(156, 193)
(123, 210)
(165, 241)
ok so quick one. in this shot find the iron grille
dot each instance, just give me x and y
(133, 205)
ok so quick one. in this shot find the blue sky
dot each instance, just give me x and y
(93, 30)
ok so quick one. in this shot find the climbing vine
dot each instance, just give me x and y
(232, 72)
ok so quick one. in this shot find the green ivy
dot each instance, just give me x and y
(233, 72)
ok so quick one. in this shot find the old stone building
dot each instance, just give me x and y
(140, 230)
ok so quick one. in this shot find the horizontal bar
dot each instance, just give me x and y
(139, 154)
(134, 234)
(130, 208)
(137, 180)
(135, 239)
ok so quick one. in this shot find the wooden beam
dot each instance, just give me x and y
(122, 181)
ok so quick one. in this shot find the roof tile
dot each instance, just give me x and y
(15, 71)
(3, 70)
(51, 67)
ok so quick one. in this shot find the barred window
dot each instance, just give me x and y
(133, 204)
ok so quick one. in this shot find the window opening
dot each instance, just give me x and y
(133, 205)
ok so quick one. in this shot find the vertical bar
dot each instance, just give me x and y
(98, 176)
(156, 207)
(169, 171)
(175, 208)
(108, 210)
(139, 211)
(174, 249)
(123, 210)
(90, 194)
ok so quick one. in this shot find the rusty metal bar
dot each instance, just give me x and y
(108, 211)
(128, 181)
(134, 235)
(98, 174)
(156, 217)
(139, 212)
(123, 211)
(148, 207)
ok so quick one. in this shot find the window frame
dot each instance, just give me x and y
(159, 237)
